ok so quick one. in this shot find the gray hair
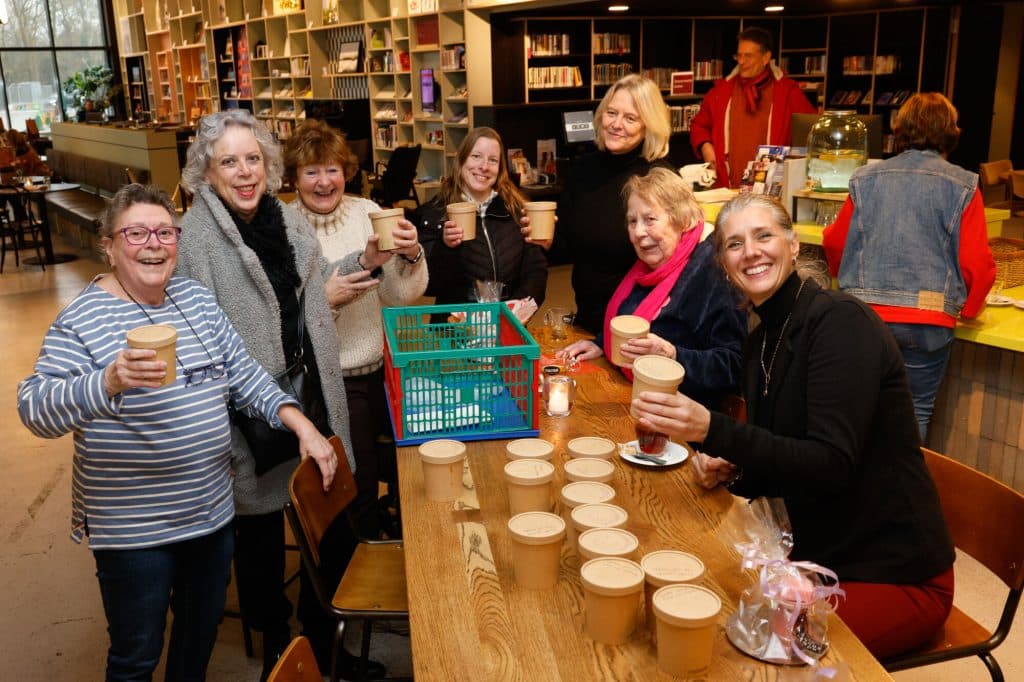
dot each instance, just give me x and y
(210, 129)
(129, 196)
(806, 267)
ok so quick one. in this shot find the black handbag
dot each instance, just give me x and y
(301, 380)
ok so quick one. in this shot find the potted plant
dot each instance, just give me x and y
(90, 89)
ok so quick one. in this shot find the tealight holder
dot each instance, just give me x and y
(559, 395)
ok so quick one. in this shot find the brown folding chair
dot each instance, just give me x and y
(996, 174)
(373, 586)
(986, 520)
(297, 664)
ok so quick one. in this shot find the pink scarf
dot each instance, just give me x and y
(662, 279)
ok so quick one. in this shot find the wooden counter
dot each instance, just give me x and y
(470, 621)
(146, 148)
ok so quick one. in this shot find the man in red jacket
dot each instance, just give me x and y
(751, 107)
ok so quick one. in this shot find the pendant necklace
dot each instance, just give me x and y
(771, 362)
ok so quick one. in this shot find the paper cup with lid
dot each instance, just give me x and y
(582, 492)
(589, 469)
(542, 218)
(463, 214)
(667, 567)
(536, 548)
(624, 328)
(384, 224)
(529, 448)
(591, 446)
(597, 515)
(687, 617)
(615, 542)
(657, 374)
(163, 338)
(612, 589)
(442, 469)
(529, 485)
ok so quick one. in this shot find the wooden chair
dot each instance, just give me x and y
(994, 174)
(1016, 191)
(986, 520)
(373, 586)
(19, 228)
(297, 664)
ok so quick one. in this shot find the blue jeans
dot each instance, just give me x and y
(925, 350)
(137, 586)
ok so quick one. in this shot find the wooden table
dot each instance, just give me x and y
(470, 621)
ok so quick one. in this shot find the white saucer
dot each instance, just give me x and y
(999, 300)
(674, 454)
(1019, 304)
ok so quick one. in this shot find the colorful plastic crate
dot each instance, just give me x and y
(474, 379)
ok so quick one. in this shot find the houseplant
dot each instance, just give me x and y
(90, 89)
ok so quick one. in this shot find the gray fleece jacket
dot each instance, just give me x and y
(211, 250)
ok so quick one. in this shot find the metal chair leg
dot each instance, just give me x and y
(992, 665)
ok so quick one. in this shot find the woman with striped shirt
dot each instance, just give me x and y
(152, 464)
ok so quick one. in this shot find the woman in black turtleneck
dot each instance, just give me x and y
(633, 128)
(831, 430)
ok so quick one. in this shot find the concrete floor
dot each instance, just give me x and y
(52, 626)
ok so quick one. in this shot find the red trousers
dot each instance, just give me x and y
(891, 619)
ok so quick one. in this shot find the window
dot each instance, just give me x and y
(43, 42)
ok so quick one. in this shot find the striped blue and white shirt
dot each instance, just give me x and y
(151, 466)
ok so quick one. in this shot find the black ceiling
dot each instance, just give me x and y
(724, 7)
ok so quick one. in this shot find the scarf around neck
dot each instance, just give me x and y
(663, 279)
(752, 88)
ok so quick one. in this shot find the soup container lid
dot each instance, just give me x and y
(658, 370)
(461, 207)
(612, 576)
(529, 448)
(597, 542)
(586, 492)
(669, 566)
(686, 606)
(540, 205)
(387, 213)
(152, 336)
(442, 451)
(591, 446)
(536, 528)
(598, 515)
(529, 471)
(589, 469)
(630, 324)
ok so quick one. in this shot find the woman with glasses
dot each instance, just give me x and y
(263, 262)
(152, 465)
(499, 254)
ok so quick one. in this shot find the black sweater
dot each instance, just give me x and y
(837, 439)
(591, 229)
(498, 253)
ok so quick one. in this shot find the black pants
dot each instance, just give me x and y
(375, 462)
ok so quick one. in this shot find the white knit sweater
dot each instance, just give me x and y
(360, 324)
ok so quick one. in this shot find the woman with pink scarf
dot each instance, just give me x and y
(678, 285)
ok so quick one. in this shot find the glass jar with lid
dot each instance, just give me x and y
(836, 146)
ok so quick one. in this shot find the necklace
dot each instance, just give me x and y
(771, 362)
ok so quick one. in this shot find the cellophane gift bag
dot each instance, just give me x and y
(783, 617)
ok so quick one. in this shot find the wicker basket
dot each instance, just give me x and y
(1009, 257)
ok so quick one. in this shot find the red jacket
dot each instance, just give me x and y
(711, 122)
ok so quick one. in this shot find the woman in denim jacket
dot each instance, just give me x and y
(911, 241)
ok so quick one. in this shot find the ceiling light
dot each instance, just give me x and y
(773, 8)
(618, 8)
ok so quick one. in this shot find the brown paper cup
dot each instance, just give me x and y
(536, 549)
(611, 590)
(529, 448)
(589, 469)
(582, 492)
(542, 218)
(463, 214)
(599, 542)
(384, 223)
(624, 328)
(657, 374)
(442, 469)
(163, 339)
(667, 567)
(529, 485)
(687, 618)
(591, 446)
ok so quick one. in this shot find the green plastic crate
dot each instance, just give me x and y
(470, 380)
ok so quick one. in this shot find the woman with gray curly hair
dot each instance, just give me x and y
(263, 262)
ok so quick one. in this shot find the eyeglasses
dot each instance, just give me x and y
(479, 158)
(196, 376)
(137, 235)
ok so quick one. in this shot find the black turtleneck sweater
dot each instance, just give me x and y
(591, 230)
(836, 438)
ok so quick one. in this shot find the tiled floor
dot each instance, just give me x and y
(52, 626)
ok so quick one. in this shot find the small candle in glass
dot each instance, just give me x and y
(560, 395)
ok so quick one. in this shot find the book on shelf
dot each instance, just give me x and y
(540, 77)
(548, 45)
(838, 97)
(884, 98)
(853, 97)
(612, 43)
(426, 31)
(868, 96)
(546, 155)
(348, 58)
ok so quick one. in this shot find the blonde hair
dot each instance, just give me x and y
(669, 191)
(653, 112)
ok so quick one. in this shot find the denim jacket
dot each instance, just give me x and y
(904, 240)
